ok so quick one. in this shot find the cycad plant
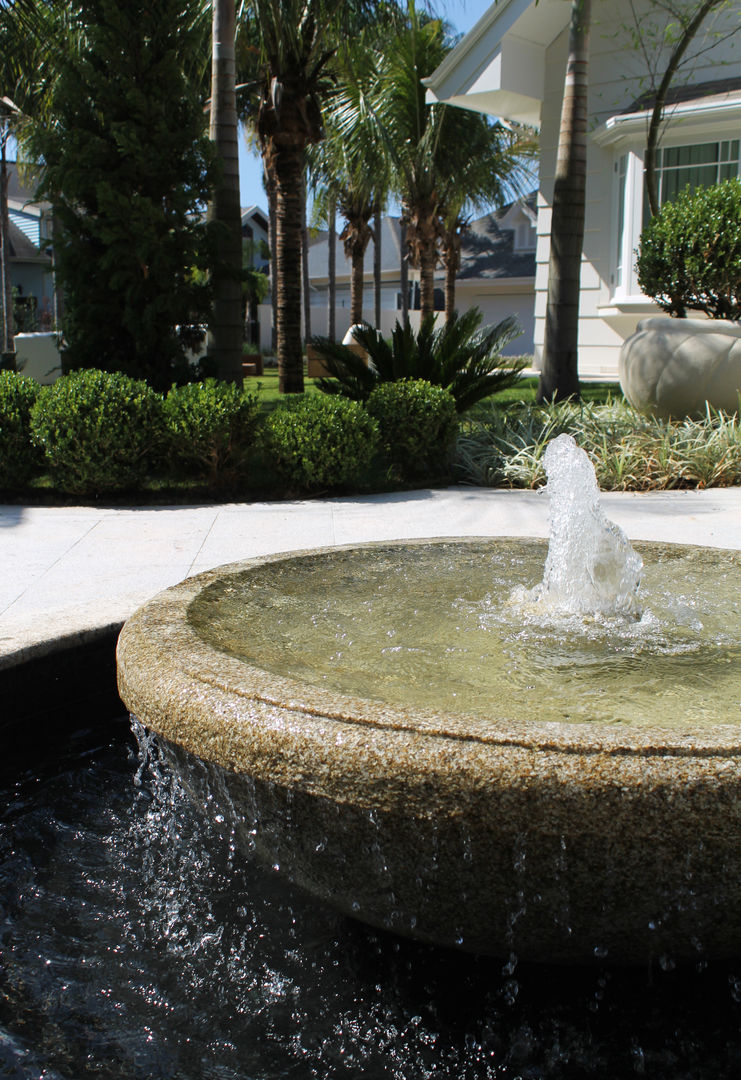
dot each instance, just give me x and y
(457, 355)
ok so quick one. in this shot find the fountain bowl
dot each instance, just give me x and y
(501, 834)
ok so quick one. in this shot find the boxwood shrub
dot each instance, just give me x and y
(321, 442)
(418, 424)
(19, 456)
(689, 258)
(99, 431)
(210, 429)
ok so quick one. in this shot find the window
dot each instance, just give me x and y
(698, 165)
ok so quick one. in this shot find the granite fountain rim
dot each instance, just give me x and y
(159, 647)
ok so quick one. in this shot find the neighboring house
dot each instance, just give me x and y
(256, 232)
(497, 274)
(30, 250)
(512, 65)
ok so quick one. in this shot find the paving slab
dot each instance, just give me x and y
(69, 572)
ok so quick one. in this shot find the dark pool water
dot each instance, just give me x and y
(135, 943)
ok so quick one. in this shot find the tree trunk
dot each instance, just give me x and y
(559, 378)
(6, 292)
(404, 272)
(288, 163)
(377, 224)
(452, 264)
(357, 267)
(657, 115)
(332, 267)
(226, 329)
(427, 263)
(272, 213)
(305, 283)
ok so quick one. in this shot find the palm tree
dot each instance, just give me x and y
(412, 131)
(227, 326)
(290, 44)
(559, 377)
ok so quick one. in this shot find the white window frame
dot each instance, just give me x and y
(690, 124)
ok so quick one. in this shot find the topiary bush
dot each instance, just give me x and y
(418, 424)
(99, 431)
(210, 429)
(321, 442)
(689, 255)
(19, 456)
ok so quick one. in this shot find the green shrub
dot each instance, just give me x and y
(19, 457)
(457, 355)
(210, 428)
(417, 423)
(98, 430)
(690, 254)
(321, 442)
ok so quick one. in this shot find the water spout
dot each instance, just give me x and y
(591, 568)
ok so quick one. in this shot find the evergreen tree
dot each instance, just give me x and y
(127, 167)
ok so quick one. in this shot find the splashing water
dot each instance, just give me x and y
(591, 567)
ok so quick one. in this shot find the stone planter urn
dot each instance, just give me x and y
(677, 367)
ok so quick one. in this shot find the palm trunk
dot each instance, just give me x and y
(377, 222)
(404, 272)
(332, 267)
(6, 291)
(357, 268)
(427, 262)
(452, 263)
(559, 378)
(288, 164)
(226, 327)
(270, 192)
(305, 283)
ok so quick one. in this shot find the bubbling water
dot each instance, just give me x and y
(591, 567)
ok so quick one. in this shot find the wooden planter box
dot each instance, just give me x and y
(316, 368)
(252, 364)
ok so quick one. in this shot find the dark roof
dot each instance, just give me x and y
(488, 251)
(679, 95)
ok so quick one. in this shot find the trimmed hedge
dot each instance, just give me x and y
(689, 257)
(99, 431)
(19, 456)
(418, 424)
(321, 442)
(210, 429)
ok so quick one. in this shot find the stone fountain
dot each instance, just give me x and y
(430, 738)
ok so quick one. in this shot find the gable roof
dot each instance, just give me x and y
(498, 67)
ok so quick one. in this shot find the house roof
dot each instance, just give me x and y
(499, 66)
(487, 249)
(720, 89)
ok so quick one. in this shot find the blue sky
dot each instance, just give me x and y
(461, 14)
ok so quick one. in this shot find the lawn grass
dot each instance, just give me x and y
(599, 393)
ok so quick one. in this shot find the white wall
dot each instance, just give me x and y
(615, 82)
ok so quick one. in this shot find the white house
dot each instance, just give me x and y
(497, 275)
(30, 249)
(512, 64)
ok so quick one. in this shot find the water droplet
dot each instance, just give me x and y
(600, 951)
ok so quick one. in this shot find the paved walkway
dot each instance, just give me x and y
(72, 571)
